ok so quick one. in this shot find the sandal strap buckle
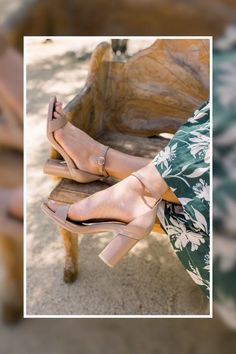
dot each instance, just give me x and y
(101, 161)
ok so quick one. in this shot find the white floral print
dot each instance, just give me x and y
(202, 190)
(197, 278)
(200, 146)
(198, 114)
(207, 262)
(166, 155)
(183, 236)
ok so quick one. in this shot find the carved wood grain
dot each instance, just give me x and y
(157, 89)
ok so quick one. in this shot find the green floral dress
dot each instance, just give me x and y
(185, 166)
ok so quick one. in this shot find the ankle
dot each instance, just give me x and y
(155, 185)
(118, 164)
(97, 158)
(137, 186)
(121, 165)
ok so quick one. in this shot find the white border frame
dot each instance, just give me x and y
(102, 38)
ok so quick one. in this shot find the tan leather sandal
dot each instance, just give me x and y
(127, 235)
(10, 225)
(67, 168)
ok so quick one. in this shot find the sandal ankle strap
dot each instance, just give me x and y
(146, 184)
(101, 161)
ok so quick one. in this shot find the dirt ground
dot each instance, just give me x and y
(151, 280)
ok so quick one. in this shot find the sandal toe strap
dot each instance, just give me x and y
(62, 211)
(57, 123)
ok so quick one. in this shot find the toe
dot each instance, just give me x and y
(52, 205)
(56, 115)
(76, 212)
(72, 212)
(58, 104)
(59, 110)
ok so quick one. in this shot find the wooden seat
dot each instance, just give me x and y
(128, 105)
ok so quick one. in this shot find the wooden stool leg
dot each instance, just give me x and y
(71, 255)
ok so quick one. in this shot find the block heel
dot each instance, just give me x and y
(117, 249)
(58, 168)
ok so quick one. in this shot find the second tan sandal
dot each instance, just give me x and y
(127, 235)
(67, 168)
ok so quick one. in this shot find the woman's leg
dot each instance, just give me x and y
(121, 165)
(83, 150)
(124, 201)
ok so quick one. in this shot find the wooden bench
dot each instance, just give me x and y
(128, 104)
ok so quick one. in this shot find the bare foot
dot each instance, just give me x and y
(124, 201)
(81, 148)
